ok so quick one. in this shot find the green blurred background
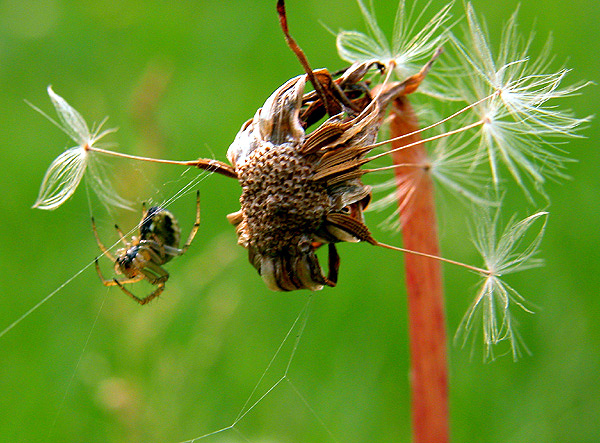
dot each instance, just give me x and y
(178, 79)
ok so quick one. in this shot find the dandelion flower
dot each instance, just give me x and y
(66, 171)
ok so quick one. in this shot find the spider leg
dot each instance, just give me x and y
(154, 273)
(122, 236)
(114, 281)
(157, 251)
(194, 228)
(100, 244)
(120, 283)
(147, 299)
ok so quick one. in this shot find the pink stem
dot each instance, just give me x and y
(427, 329)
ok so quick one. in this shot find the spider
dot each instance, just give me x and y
(143, 257)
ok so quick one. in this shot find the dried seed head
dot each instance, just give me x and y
(301, 191)
(281, 204)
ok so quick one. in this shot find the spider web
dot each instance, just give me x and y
(263, 390)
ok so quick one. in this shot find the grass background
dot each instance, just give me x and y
(91, 366)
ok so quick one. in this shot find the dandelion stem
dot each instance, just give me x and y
(201, 163)
(427, 325)
(302, 57)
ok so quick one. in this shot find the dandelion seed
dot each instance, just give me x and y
(518, 120)
(503, 253)
(66, 171)
(413, 41)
